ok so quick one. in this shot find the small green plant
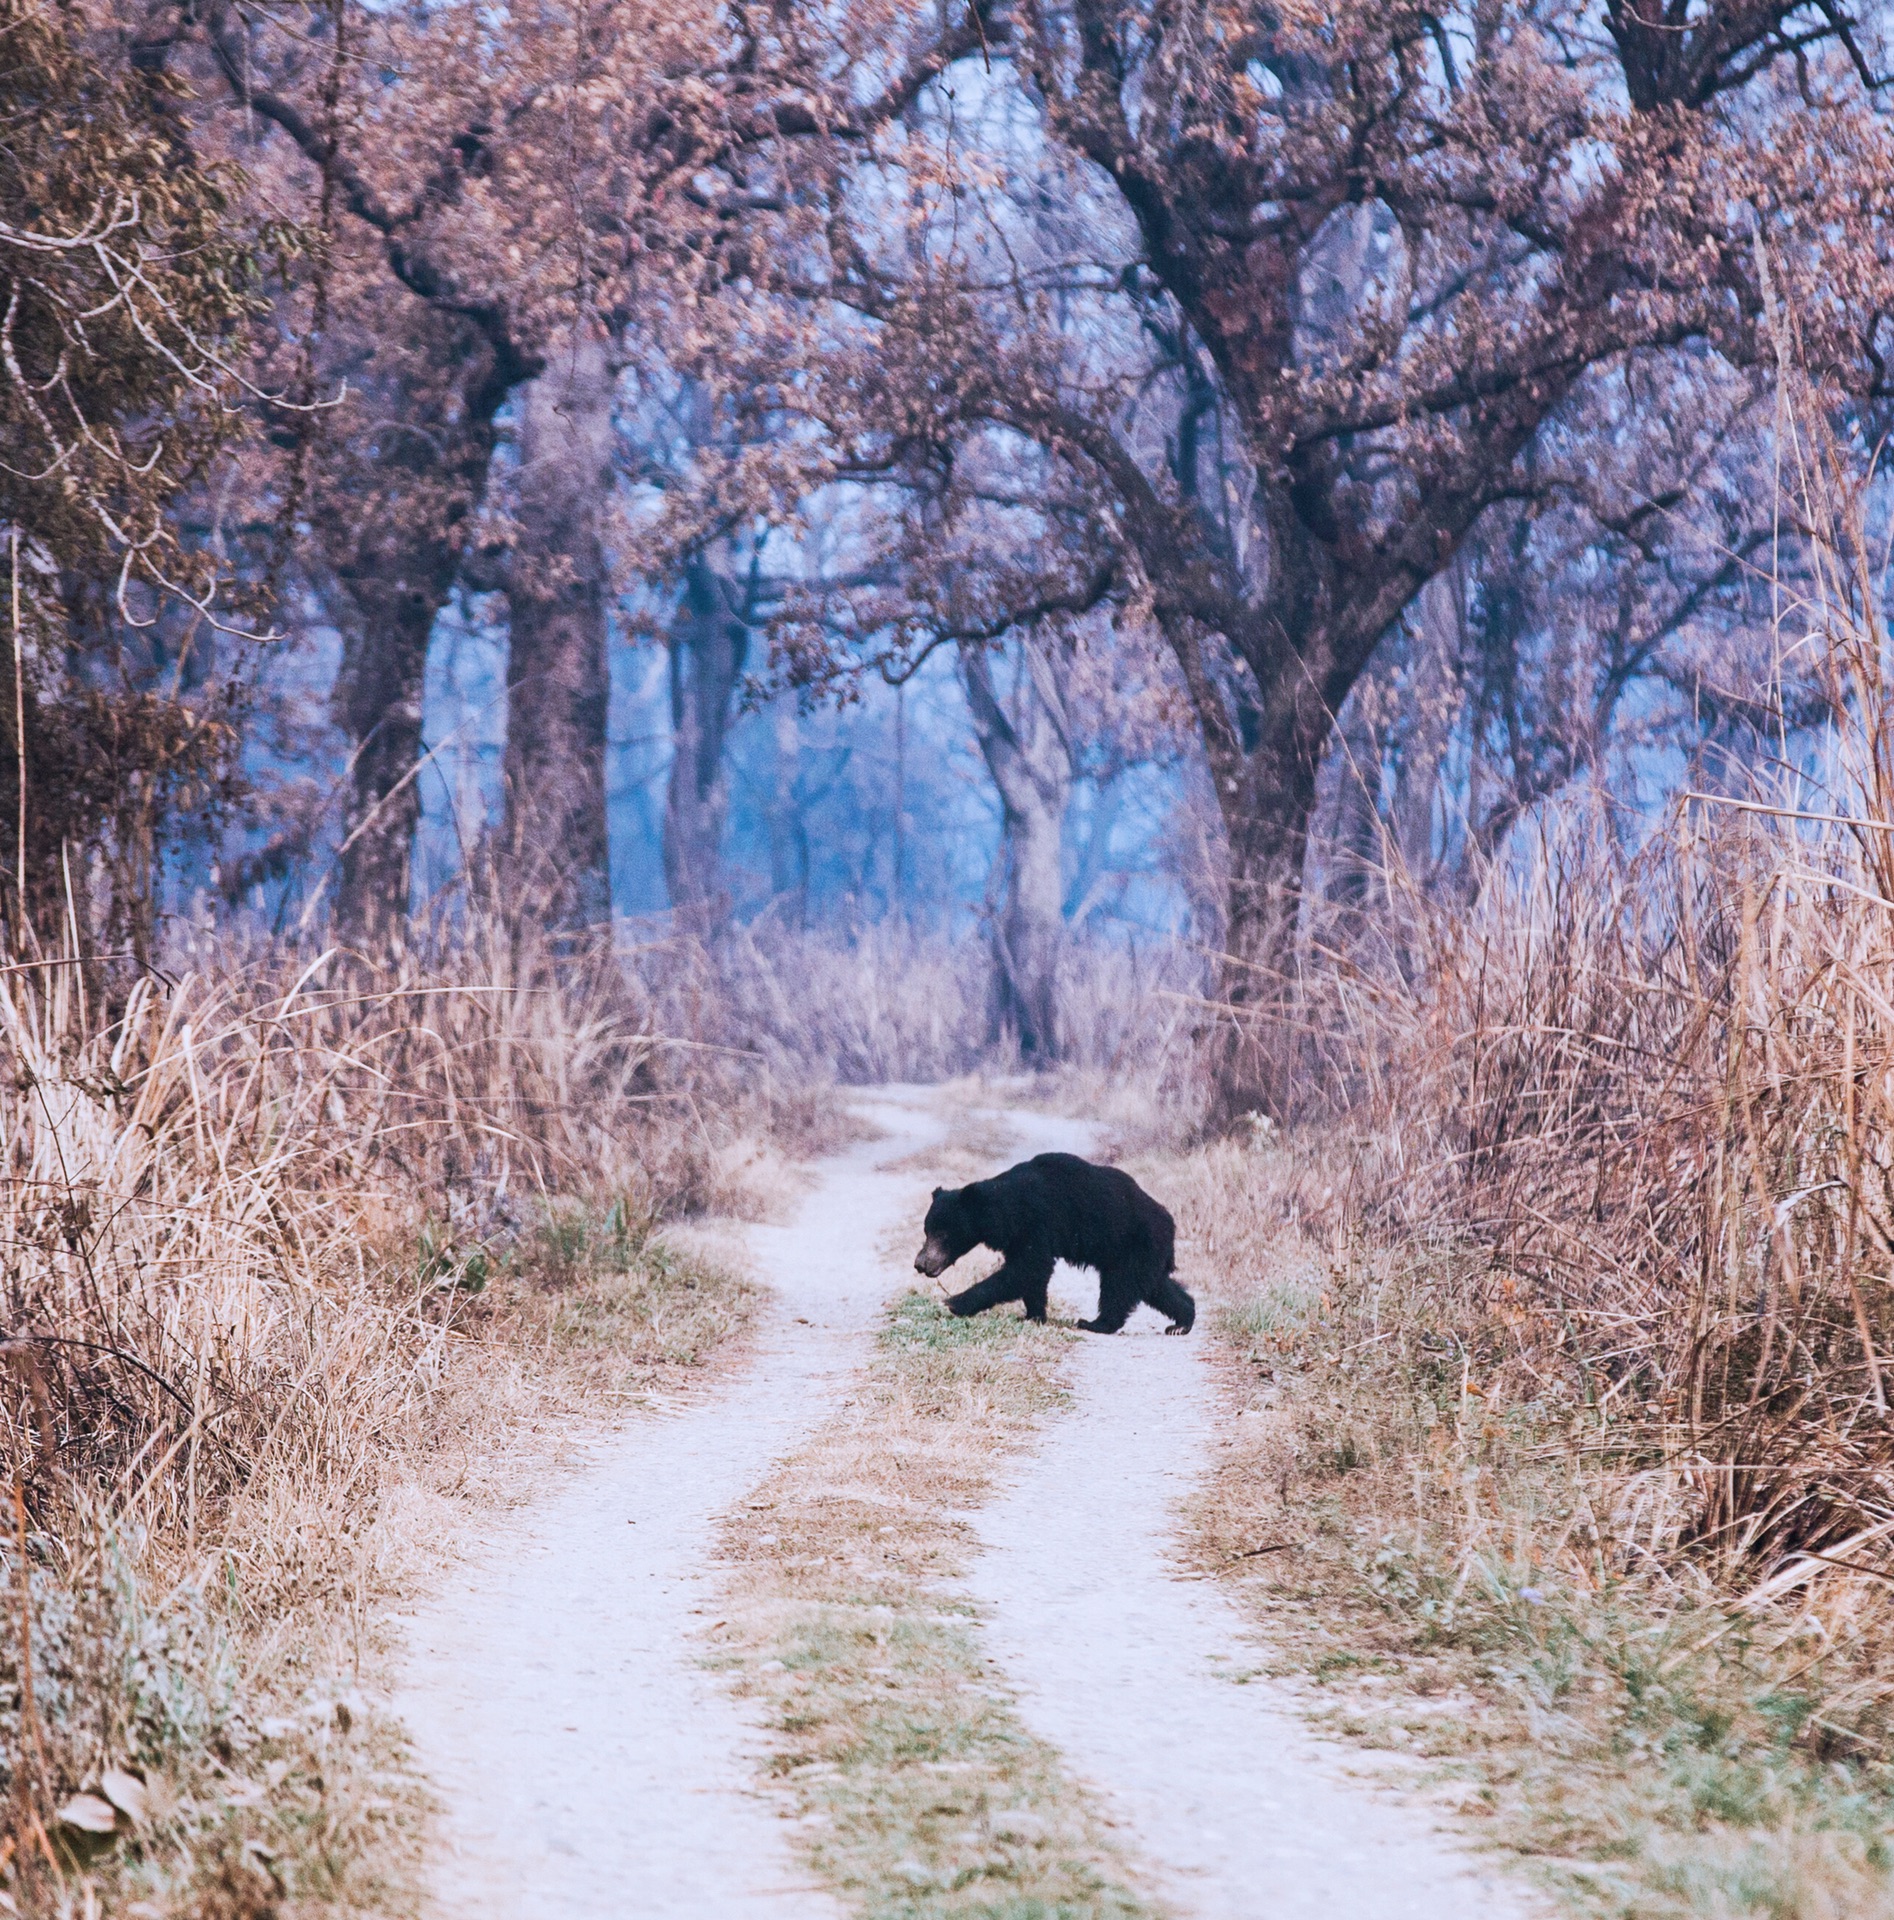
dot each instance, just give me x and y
(1272, 1316)
(448, 1266)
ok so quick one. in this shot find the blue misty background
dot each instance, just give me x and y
(836, 816)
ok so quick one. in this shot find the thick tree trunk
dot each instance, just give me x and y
(1256, 1060)
(1264, 749)
(377, 702)
(710, 641)
(1029, 756)
(390, 505)
(1267, 824)
(556, 847)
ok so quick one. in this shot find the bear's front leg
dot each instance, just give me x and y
(990, 1292)
(1022, 1276)
(1033, 1276)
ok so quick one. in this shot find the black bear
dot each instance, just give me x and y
(1056, 1206)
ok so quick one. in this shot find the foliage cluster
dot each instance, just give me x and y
(128, 277)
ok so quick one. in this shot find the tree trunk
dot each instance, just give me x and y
(1436, 704)
(1349, 848)
(710, 641)
(556, 847)
(1264, 752)
(788, 830)
(377, 702)
(1029, 756)
(395, 483)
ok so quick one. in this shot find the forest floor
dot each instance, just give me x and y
(897, 1618)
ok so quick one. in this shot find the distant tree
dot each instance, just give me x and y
(1027, 745)
(396, 477)
(712, 590)
(560, 196)
(1086, 703)
(1615, 625)
(708, 644)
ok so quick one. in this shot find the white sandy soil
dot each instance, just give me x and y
(586, 1763)
(588, 1766)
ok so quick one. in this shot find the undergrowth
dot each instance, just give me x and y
(297, 1267)
(1475, 1573)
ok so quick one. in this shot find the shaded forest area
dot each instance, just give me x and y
(578, 575)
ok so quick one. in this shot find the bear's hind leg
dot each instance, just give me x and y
(1118, 1293)
(1172, 1301)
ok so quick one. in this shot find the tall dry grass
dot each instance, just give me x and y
(254, 1220)
(1657, 1089)
(893, 1002)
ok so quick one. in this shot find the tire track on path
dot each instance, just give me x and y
(1236, 1809)
(585, 1762)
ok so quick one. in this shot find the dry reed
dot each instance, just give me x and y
(273, 1233)
(1656, 1089)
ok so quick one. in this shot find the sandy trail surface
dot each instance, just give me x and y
(585, 1762)
(588, 1766)
(1234, 1809)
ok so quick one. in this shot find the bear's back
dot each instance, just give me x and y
(1092, 1215)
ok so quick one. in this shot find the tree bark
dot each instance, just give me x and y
(556, 847)
(396, 481)
(1028, 754)
(1349, 848)
(710, 642)
(788, 829)
(377, 702)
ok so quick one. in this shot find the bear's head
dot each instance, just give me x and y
(952, 1228)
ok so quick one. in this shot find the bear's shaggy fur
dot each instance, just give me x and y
(1056, 1206)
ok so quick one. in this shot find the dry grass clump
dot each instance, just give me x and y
(1656, 1091)
(1475, 1569)
(919, 1794)
(894, 1003)
(292, 1252)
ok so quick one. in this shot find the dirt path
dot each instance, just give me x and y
(586, 1763)
(1236, 1810)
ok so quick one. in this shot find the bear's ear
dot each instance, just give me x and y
(938, 1191)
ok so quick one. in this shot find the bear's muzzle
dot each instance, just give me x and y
(933, 1259)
